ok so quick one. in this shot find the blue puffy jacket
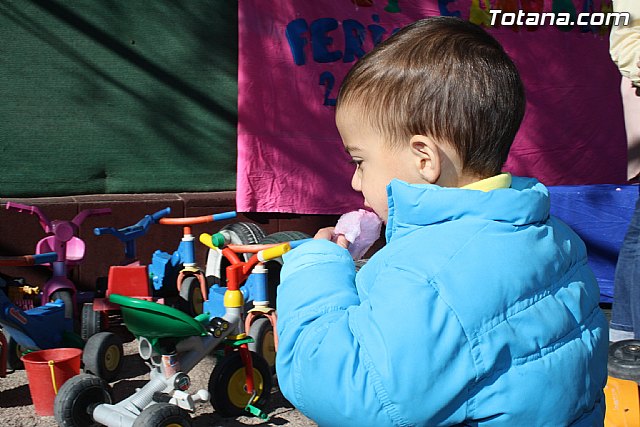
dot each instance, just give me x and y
(480, 310)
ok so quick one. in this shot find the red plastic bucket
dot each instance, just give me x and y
(47, 370)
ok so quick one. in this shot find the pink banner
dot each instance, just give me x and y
(295, 53)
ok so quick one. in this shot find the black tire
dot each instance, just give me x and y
(263, 336)
(624, 360)
(240, 233)
(102, 355)
(275, 265)
(76, 397)
(14, 353)
(227, 383)
(163, 415)
(91, 321)
(191, 296)
(67, 298)
(245, 233)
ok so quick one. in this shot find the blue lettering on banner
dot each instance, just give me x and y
(376, 31)
(444, 9)
(354, 34)
(327, 79)
(295, 30)
(319, 35)
(320, 40)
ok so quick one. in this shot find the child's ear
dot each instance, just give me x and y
(427, 157)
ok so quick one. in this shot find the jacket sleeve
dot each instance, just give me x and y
(342, 361)
(317, 361)
(625, 41)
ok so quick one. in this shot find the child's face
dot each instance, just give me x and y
(376, 163)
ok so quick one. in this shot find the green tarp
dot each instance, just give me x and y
(120, 96)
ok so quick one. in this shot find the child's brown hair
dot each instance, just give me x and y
(444, 78)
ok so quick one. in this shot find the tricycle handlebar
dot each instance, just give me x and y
(160, 214)
(86, 213)
(47, 224)
(198, 219)
(33, 210)
(219, 240)
(136, 230)
(20, 207)
(274, 252)
(239, 270)
(24, 260)
(127, 235)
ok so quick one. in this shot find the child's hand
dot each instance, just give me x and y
(327, 233)
(361, 229)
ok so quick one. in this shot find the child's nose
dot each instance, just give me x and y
(355, 182)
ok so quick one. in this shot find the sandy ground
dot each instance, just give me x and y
(16, 406)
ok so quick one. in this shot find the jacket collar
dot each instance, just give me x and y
(502, 180)
(415, 205)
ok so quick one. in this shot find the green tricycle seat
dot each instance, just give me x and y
(152, 320)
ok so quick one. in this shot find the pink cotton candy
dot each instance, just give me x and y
(361, 228)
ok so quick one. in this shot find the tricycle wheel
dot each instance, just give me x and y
(76, 399)
(228, 380)
(244, 233)
(91, 321)
(624, 360)
(163, 415)
(191, 296)
(263, 343)
(103, 355)
(14, 353)
(67, 298)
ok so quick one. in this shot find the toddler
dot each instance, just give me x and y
(480, 309)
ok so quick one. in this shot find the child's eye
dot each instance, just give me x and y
(356, 162)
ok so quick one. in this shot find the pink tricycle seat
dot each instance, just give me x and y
(75, 248)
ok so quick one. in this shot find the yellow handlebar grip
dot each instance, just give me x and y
(274, 252)
(205, 239)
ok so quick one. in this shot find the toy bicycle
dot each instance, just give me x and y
(46, 327)
(129, 279)
(261, 318)
(62, 239)
(174, 343)
(191, 283)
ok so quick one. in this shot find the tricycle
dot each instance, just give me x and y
(258, 280)
(168, 275)
(46, 327)
(190, 283)
(63, 239)
(173, 343)
(130, 277)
